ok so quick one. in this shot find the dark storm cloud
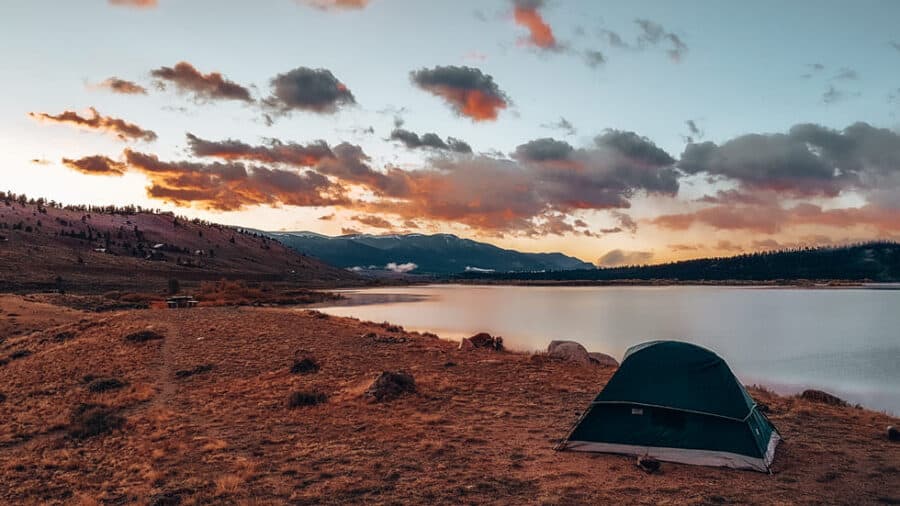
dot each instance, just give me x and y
(468, 90)
(116, 85)
(212, 86)
(118, 127)
(412, 140)
(307, 89)
(809, 159)
(97, 165)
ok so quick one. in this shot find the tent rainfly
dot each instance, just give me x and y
(676, 402)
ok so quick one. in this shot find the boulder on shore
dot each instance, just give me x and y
(893, 433)
(570, 351)
(482, 340)
(603, 360)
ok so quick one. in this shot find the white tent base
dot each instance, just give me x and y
(682, 455)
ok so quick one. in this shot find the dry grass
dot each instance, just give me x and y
(479, 432)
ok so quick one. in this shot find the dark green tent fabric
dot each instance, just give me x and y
(678, 375)
(680, 402)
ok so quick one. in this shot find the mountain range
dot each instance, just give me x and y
(437, 254)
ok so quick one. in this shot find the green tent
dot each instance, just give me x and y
(677, 402)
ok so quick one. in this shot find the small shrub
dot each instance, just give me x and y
(823, 398)
(306, 398)
(105, 385)
(200, 369)
(16, 355)
(390, 385)
(306, 365)
(2, 397)
(143, 336)
(89, 420)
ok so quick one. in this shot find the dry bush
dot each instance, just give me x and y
(390, 385)
(200, 369)
(306, 398)
(306, 365)
(142, 336)
(105, 385)
(88, 420)
(228, 484)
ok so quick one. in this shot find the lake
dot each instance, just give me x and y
(844, 341)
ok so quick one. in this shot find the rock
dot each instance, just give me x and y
(603, 360)
(570, 351)
(823, 398)
(390, 385)
(142, 336)
(893, 433)
(482, 340)
(648, 464)
(306, 398)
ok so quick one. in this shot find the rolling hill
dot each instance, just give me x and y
(81, 248)
(438, 254)
(874, 261)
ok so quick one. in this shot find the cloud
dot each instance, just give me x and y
(894, 44)
(694, 132)
(345, 161)
(846, 74)
(306, 89)
(139, 4)
(527, 14)
(412, 140)
(593, 58)
(327, 5)
(96, 165)
(810, 159)
(116, 85)
(212, 86)
(617, 258)
(118, 127)
(651, 35)
(298, 155)
(469, 91)
(232, 186)
(833, 95)
(373, 221)
(563, 125)
(772, 219)
(528, 194)
(401, 268)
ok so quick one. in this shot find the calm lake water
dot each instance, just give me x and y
(845, 341)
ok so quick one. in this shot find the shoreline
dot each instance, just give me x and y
(205, 417)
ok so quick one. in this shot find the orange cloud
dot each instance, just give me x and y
(468, 90)
(97, 165)
(116, 85)
(139, 4)
(118, 127)
(213, 85)
(540, 34)
(336, 4)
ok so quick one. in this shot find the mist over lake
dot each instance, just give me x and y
(844, 341)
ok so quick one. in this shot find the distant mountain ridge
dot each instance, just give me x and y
(873, 261)
(437, 254)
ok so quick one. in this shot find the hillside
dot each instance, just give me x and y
(875, 261)
(93, 249)
(202, 414)
(438, 254)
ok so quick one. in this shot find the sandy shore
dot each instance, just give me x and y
(205, 419)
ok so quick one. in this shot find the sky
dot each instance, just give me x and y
(618, 132)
